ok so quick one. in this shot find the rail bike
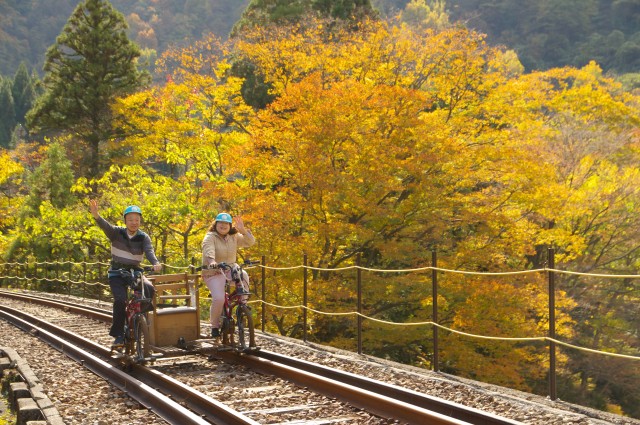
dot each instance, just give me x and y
(170, 324)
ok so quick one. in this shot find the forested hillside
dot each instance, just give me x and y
(545, 34)
(554, 33)
(28, 28)
(344, 136)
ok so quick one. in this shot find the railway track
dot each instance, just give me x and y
(160, 389)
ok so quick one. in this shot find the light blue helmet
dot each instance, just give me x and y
(132, 209)
(224, 218)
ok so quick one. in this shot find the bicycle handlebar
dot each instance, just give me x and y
(225, 266)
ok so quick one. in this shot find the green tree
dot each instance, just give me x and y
(51, 181)
(421, 14)
(344, 9)
(24, 92)
(7, 113)
(92, 63)
(49, 194)
(265, 12)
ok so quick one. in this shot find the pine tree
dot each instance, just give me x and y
(23, 92)
(7, 113)
(92, 63)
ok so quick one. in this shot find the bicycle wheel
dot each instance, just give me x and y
(142, 337)
(128, 347)
(246, 335)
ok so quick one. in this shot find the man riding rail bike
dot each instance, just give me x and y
(129, 245)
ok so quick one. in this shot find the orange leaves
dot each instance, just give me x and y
(382, 133)
(377, 130)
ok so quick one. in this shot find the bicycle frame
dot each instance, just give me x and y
(231, 303)
(136, 330)
(236, 313)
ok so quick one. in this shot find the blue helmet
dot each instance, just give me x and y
(224, 218)
(132, 209)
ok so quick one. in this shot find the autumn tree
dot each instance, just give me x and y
(187, 129)
(595, 150)
(435, 140)
(10, 173)
(91, 63)
(385, 114)
(280, 15)
(190, 123)
(381, 144)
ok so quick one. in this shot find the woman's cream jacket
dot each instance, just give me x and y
(219, 249)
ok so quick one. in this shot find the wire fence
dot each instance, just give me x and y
(88, 280)
(34, 275)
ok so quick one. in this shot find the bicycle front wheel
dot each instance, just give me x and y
(246, 335)
(142, 345)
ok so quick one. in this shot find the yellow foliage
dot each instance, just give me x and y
(389, 141)
(8, 167)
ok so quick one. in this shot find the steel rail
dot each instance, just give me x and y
(92, 312)
(369, 401)
(435, 404)
(163, 398)
(374, 396)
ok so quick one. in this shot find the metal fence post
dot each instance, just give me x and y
(304, 297)
(359, 288)
(434, 295)
(99, 283)
(84, 278)
(552, 327)
(57, 263)
(264, 293)
(69, 280)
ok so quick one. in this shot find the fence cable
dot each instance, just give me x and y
(420, 269)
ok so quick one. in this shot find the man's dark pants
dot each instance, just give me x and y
(119, 290)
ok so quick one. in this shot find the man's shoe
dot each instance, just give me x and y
(118, 342)
(215, 333)
(241, 291)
